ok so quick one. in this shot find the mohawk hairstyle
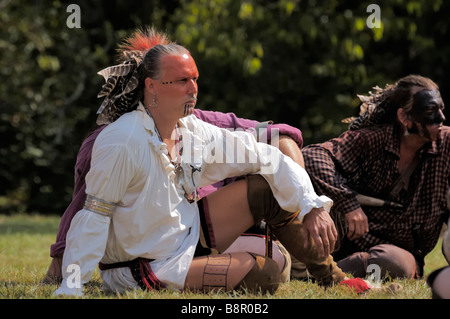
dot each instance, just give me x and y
(121, 87)
(143, 40)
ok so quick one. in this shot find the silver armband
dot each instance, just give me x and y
(99, 206)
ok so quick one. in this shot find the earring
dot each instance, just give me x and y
(406, 134)
(153, 104)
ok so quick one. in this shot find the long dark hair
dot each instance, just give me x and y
(381, 107)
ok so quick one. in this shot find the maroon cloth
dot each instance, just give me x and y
(83, 164)
(231, 121)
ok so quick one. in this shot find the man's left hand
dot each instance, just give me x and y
(320, 227)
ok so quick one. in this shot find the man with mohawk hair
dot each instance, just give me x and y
(143, 221)
(289, 140)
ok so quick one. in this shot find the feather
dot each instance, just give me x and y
(119, 91)
(349, 120)
(131, 84)
(137, 56)
(117, 70)
(102, 119)
(108, 87)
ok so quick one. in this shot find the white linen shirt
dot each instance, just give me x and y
(152, 218)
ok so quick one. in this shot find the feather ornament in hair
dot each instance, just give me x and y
(122, 80)
(116, 70)
(372, 109)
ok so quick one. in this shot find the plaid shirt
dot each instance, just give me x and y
(365, 162)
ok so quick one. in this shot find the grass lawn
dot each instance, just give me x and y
(24, 258)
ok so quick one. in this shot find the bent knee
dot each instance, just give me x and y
(264, 277)
(257, 245)
(393, 261)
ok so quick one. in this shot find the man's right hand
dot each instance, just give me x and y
(358, 224)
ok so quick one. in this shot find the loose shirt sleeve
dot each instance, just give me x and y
(231, 122)
(227, 153)
(112, 168)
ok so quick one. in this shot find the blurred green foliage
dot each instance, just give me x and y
(291, 61)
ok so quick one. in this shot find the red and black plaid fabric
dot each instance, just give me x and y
(141, 271)
(365, 162)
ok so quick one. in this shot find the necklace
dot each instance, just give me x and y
(179, 149)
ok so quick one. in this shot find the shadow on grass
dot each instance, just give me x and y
(29, 224)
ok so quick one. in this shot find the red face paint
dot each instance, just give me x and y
(179, 89)
(178, 69)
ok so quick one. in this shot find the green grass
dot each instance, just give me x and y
(24, 257)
